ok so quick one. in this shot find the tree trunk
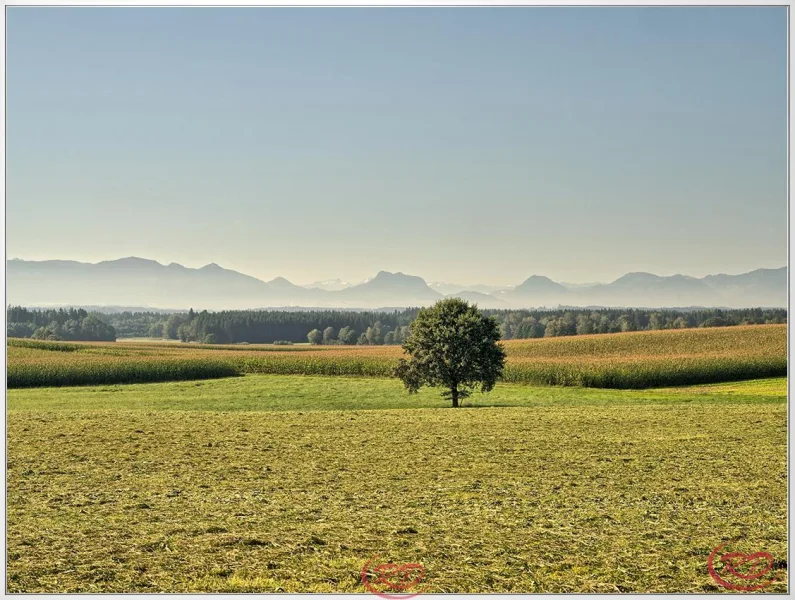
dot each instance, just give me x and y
(454, 395)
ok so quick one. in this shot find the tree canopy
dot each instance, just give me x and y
(452, 345)
(62, 324)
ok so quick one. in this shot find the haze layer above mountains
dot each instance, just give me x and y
(146, 283)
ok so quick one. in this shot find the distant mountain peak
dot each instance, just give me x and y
(539, 283)
(392, 289)
(538, 278)
(637, 277)
(134, 259)
(399, 278)
(386, 275)
(131, 261)
(282, 284)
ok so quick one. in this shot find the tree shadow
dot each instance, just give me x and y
(492, 405)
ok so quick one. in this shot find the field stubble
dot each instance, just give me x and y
(558, 498)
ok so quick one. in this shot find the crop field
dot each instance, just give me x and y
(624, 360)
(266, 483)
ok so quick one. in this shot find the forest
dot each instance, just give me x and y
(61, 324)
(348, 327)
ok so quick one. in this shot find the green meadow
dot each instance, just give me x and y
(292, 483)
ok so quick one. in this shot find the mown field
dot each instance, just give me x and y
(624, 360)
(291, 483)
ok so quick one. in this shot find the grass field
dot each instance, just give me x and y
(273, 482)
(625, 360)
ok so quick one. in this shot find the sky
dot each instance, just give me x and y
(467, 145)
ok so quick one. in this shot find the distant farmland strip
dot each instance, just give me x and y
(93, 370)
(623, 360)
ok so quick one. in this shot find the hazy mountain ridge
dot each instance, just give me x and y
(330, 285)
(455, 288)
(481, 299)
(136, 281)
(389, 289)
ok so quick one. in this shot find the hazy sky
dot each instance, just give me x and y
(461, 144)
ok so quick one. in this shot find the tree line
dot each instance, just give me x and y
(376, 335)
(349, 327)
(264, 327)
(61, 324)
(524, 324)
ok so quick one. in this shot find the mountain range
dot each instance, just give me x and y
(140, 282)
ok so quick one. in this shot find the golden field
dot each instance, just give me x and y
(622, 360)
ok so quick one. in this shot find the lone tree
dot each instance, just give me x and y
(452, 345)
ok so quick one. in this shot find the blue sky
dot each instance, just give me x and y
(460, 144)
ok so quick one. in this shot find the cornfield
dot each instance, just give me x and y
(623, 360)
